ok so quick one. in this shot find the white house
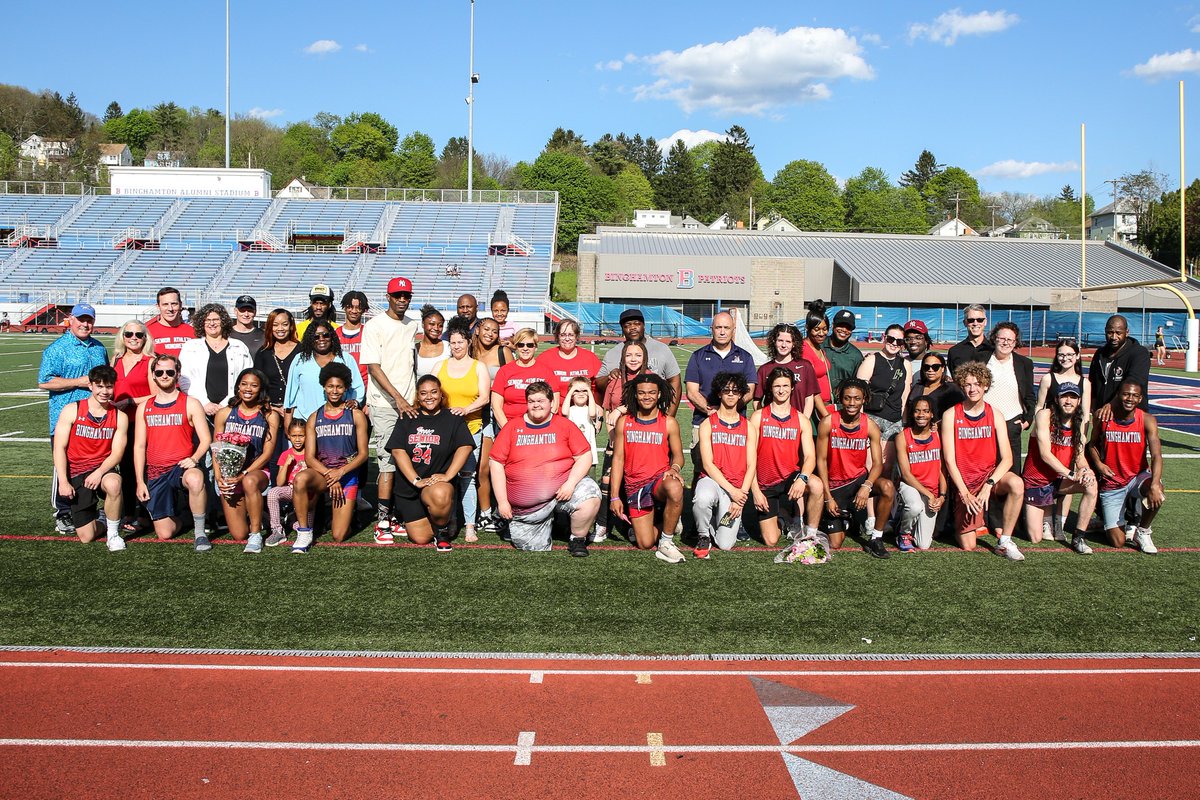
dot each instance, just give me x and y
(721, 223)
(1116, 221)
(42, 151)
(115, 155)
(775, 225)
(690, 223)
(165, 158)
(1036, 228)
(301, 189)
(647, 218)
(952, 227)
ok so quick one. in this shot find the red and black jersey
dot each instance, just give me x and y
(90, 440)
(1124, 445)
(729, 444)
(779, 447)
(976, 450)
(169, 435)
(647, 450)
(848, 450)
(925, 458)
(1037, 472)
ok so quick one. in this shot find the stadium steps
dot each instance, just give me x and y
(113, 273)
(75, 211)
(10, 264)
(168, 218)
(230, 268)
(362, 268)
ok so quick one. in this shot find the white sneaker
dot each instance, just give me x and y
(598, 535)
(1130, 530)
(1047, 530)
(1080, 546)
(668, 552)
(63, 526)
(1009, 550)
(1144, 543)
(115, 543)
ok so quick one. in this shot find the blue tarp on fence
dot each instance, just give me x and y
(603, 319)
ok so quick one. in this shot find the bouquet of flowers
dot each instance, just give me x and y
(229, 451)
(805, 549)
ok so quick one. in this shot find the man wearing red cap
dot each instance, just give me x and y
(916, 342)
(388, 354)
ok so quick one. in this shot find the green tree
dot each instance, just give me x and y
(305, 150)
(135, 129)
(585, 198)
(609, 155)
(359, 140)
(874, 205)
(926, 169)
(1158, 227)
(112, 112)
(805, 193)
(1067, 194)
(391, 136)
(732, 174)
(678, 187)
(633, 192)
(170, 121)
(9, 156)
(650, 158)
(566, 141)
(953, 190)
(416, 161)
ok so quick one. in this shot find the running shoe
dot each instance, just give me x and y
(703, 547)
(1130, 532)
(577, 546)
(442, 545)
(1009, 550)
(63, 525)
(668, 552)
(304, 540)
(905, 542)
(399, 530)
(254, 544)
(487, 521)
(203, 545)
(115, 543)
(276, 538)
(598, 535)
(383, 532)
(1079, 545)
(1144, 542)
(875, 547)
(1047, 529)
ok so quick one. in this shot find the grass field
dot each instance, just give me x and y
(618, 600)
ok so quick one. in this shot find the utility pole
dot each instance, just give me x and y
(226, 84)
(474, 79)
(993, 207)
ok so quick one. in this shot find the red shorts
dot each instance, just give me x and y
(964, 520)
(640, 501)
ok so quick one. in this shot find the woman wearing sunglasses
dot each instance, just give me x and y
(888, 374)
(935, 386)
(132, 353)
(508, 388)
(318, 348)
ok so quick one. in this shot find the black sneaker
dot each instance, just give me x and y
(443, 545)
(577, 546)
(703, 547)
(875, 548)
(502, 529)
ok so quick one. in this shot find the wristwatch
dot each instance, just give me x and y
(990, 481)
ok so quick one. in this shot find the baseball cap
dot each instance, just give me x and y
(631, 313)
(918, 326)
(843, 319)
(321, 291)
(399, 285)
(246, 301)
(83, 310)
(1069, 387)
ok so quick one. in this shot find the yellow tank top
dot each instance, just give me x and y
(462, 392)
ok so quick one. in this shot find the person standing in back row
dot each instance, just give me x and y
(169, 330)
(245, 329)
(661, 360)
(843, 355)
(977, 346)
(1121, 359)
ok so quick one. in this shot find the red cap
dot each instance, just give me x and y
(916, 325)
(399, 285)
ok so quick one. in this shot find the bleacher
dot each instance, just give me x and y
(214, 219)
(189, 271)
(325, 216)
(448, 224)
(44, 270)
(285, 278)
(108, 215)
(32, 209)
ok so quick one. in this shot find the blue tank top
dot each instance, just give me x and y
(336, 442)
(254, 426)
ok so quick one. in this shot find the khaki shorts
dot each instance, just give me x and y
(383, 422)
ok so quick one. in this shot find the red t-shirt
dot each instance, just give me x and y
(352, 345)
(167, 339)
(806, 381)
(511, 381)
(585, 364)
(1037, 472)
(729, 447)
(925, 458)
(647, 450)
(779, 447)
(848, 449)
(1124, 450)
(168, 435)
(816, 360)
(537, 459)
(90, 440)
(135, 383)
(975, 445)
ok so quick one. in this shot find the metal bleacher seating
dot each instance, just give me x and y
(109, 215)
(190, 271)
(285, 278)
(49, 269)
(214, 220)
(321, 216)
(34, 209)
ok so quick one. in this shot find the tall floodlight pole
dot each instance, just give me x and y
(226, 84)
(471, 81)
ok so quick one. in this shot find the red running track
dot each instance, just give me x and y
(86, 725)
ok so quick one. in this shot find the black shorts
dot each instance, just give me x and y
(83, 504)
(844, 497)
(777, 499)
(164, 494)
(406, 501)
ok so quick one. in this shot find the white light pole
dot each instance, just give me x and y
(226, 84)
(472, 80)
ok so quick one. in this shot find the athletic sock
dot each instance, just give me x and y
(383, 512)
(1062, 523)
(876, 534)
(870, 524)
(810, 531)
(1004, 540)
(113, 526)
(666, 537)
(198, 523)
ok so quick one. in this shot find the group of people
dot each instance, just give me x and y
(488, 434)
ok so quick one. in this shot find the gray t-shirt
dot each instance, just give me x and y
(662, 360)
(253, 339)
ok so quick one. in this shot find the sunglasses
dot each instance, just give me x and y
(934, 367)
(730, 390)
(524, 345)
(893, 340)
(400, 295)
(164, 373)
(976, 320)
(133, 334)
(322, 335)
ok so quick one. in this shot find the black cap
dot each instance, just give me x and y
(246, 301)
(632, 313)
(843, 319)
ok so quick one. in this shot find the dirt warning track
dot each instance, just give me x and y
(189, 725)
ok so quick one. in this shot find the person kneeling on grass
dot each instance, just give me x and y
(923, 487)
(785, 456)
(844, 440)
(727, 460)
(291, 464)
(539, 466)
(335, 446)
(1128, 487)
(977, 461)
(169, 442)
(89, 441)
(647, 465)
(429, 451)
(1056, 467)
(249, 414)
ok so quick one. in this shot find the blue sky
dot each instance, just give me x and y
(999, 88)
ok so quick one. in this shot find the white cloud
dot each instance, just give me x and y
(871, 38)
(949, 26)
(614, 65)
(263, 113)
(1194, 24)
(754, 73)
(1011, 168)
(1164, 64)
(362, 48)
(690, 138)
(322, 47)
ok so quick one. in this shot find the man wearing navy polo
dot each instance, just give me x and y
(719, 355)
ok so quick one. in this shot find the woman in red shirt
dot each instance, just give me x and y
(816, 331)
(923, 487)
(132, 354)
(1056, 467)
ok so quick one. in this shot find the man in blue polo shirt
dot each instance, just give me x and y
(64, 373)
(719, 355)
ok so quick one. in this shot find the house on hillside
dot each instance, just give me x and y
(165, 158)
(775, 224)
(1036, 228)
(115, 155)
(652, 218)
(721, 223)
(301, 189)
(1115, 222)
(43, 151)
(690, 223)
(952, 227)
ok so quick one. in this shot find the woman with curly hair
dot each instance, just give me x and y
(318, 348)
(783, 345)
(249, 413)
(211, 362)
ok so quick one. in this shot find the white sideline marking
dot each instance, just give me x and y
(524, 749)
(10, 433)
(1180, 455)
(25, 405)
(536, 677)
(654, 742)
(708, 673)
(23, 392)
(652, 748)
(25, 439)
